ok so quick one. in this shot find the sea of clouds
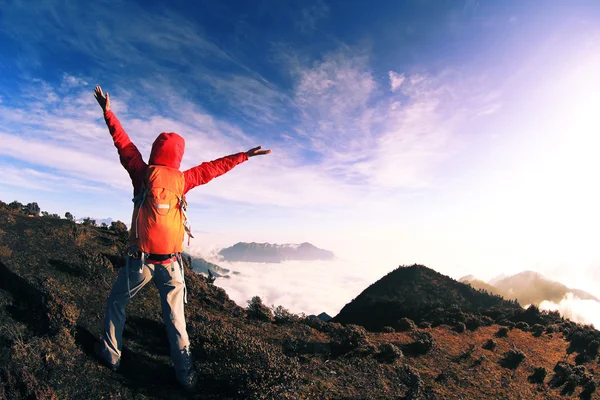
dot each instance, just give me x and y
(311, 287)
(576, 309)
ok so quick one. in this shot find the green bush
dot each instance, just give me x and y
(538, 375)
(537, 330)
(118, 227)
(512, 359)
(389, 352)
(282, 315)
(412, 379)
(490, 344)
(502, 332)
(87, 221)
(257, 310)
(460, 327)
(347, 338)
(405, 325)
(524, 326)
(423, 342)
(241, 365)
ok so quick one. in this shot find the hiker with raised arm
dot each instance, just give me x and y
(156, 237)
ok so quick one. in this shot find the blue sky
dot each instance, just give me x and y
(458, 134)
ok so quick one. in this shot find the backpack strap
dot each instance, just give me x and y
(186, 223)
(139, 200)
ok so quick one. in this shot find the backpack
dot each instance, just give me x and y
(161, 220)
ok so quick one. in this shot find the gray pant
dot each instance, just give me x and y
(169, 281)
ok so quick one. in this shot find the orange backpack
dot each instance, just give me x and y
(161, 219)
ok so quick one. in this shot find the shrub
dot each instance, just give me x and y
(257, 310)
(15, 206)
(490, 344)
(512, 359)
(593, 348)
(460, 327)
(282, 315)
(118, 226)
(502, 332)
(423, 342)
(347, 338)
(69, 216)
(472, 323)
(582, 375)
(524, 326)
(405, 324)
(411, 378)
(562, 369)
(316, 323)
(89, 222)
(537, 330)
(389, 352)
(538, 376)
(241, 365)
(61, 311)
(32, 209)
(552, 328)
(588, 389)
(582, 358)
(424, 325)
(388, 329)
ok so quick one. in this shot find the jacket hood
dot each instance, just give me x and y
(167, 150)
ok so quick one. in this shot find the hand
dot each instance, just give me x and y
(257, 152)
(103, 100)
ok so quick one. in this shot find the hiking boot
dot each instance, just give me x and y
(188, 380)
(103, 357)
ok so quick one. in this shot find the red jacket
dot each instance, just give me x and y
(167, 150)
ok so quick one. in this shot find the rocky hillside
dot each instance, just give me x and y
(55, 276)
(416, 292)
(274, 253)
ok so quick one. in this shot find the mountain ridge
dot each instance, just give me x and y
(274, 253)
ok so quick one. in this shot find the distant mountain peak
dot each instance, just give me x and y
(274, 253)
(529, 287)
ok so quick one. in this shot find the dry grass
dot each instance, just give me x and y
(5, 251)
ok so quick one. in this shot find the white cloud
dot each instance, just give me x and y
(396, 80)
(578, 310)
(311, 15)
(70, 137)
(70, 81)
(309, 287)
(384, 142)
(71, 162)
